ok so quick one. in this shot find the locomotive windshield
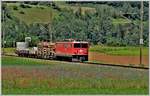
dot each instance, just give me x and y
(80, 45)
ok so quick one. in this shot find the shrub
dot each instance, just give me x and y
(24, 6)
(15, 7)
(28, 6)
(54, 6)
(34, 3)
(41, 7)
(21, 12)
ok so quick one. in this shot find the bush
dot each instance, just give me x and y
(54, 6)
(15, 7)
(28, 6)
(34, 3)
(41, 7)
(24, 6)
(21, 12)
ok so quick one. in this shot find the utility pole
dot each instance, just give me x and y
(50, 24)
(141, 33)
(141, 30)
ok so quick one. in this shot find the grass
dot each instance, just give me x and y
(9, 60)
(36, 76)
(8, 50)
(120, 21)
(73, 91)
(120, 51)
(76, 8)
(36, 14)
(125, 21)
(33, 15)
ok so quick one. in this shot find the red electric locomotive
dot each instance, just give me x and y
(75, 50)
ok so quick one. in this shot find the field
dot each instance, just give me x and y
(35, 76)
(120, 51)
(35, 14)
(129, 56)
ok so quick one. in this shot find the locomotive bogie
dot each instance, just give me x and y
(80, 58)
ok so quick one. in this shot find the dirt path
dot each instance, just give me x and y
(94, 56)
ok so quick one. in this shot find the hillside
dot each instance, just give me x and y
(42, 14)
(106, 23)
(34, 14)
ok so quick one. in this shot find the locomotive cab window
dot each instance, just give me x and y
(84, 45)
(77, 45)
(80, 45)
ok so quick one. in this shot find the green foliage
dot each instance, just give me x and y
(15, 7)
(34, 15)
(9, 50)
(107, 24)
(21, 12)
(24, 6)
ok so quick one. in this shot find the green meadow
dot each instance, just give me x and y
(120, 51)
(35, 76)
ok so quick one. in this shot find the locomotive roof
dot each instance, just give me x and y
(73, 42)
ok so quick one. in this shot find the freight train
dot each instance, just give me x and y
(68, 49)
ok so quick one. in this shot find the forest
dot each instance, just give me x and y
(104, 23)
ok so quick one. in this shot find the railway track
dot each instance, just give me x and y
(117, 65)
(93, 63)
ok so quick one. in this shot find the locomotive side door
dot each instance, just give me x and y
(67, 49)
